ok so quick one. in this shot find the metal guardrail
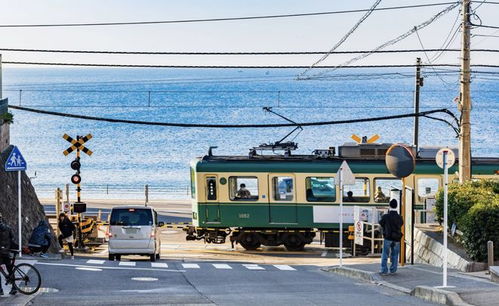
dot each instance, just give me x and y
(109, 189)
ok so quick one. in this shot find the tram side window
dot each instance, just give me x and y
(243, 188)
(382, 187)
(283, 188)
(427, 187)
(320, 189)
(193, 184)
(358, 192)
(211, 188)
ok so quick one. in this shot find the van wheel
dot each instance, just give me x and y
(111, 257)
(152, 257)
(118, 257)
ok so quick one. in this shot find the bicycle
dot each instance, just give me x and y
(25, 277)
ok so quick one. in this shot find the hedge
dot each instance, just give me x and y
(462, 197)
(480, 225)
(474, 207)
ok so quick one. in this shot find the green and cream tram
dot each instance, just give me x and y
(285, 199)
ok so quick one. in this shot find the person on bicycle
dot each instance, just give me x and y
(67, 228)
(6, 244)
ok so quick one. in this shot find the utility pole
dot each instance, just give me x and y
(418, 84)
(465, 100)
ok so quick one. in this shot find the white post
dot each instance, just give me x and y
(446, 170)
(341, 218)
(19, 222)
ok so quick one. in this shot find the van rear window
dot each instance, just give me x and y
(131, 216)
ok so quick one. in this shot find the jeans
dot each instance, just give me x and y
(392, 249)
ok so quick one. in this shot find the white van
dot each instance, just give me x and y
(134, 230)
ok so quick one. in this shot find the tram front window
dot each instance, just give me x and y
(243, 188)
(358, 192)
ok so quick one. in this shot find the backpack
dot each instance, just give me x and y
(4, 239)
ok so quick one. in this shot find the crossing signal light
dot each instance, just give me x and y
(76, 179)
(75, 164)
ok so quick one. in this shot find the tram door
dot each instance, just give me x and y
(212, 212)
(282, 198)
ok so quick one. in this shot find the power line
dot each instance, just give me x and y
(397, 39)
(343, 39)
(218, 19)
(206, 125)
(236, 52)
(233, 66)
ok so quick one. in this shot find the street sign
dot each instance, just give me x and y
(15, 161)
(77, 144)
(344, 175)
(450, 158)
(359, 232)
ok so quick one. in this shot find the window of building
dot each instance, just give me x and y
(211, 188)
(243, 188)
(283, 188)
(320, 189)
(193, 184)
(382, 187)
(358, 192)
(427, 186)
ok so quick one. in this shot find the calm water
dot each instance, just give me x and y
(126, 157)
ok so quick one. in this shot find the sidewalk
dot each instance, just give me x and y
(421, 280)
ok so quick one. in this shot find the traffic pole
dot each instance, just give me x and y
(19, 218)
(446, 170)
(341, 217)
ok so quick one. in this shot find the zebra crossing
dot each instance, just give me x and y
(190, 266)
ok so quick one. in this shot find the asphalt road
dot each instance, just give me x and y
(96, 281)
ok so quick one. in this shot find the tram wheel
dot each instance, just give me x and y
(294, 242)
(249, 241)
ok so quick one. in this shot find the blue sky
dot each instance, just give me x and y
(290, 34)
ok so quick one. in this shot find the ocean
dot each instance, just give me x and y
(127, 157)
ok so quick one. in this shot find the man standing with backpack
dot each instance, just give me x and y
(391, 223)
(6, 244)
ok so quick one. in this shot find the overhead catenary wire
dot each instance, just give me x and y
(206, 125)
(392, 41)
(128, 23)
(343, 39)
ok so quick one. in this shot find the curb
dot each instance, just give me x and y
(438, 296)
(423, 292)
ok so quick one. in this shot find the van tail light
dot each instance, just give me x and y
(152, 235)
(109, 234)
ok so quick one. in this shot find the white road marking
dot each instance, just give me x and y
(324, 254)
(253, 267)
(190, 266)
(95, 261)
(108, 268)
(144, 279)
(222, 266)
(127, 263)
(159, 265)
(285, 267)
(88, 269)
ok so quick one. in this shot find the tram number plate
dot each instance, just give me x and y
(244, 216)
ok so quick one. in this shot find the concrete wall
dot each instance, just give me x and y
(4, 136)
(429, 251)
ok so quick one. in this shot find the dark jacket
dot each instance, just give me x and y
(6, 239)
(67, 227)
(41, 235)
(392, 223)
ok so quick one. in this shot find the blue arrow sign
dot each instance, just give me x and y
(16, 161)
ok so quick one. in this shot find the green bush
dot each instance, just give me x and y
(480, 225)
(7, 117)
(462, 197)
